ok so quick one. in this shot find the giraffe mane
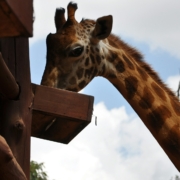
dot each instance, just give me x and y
(138, 57)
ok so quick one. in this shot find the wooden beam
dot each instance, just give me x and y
(59, 115)
(9, 168)
(9, 89)
(16, 18)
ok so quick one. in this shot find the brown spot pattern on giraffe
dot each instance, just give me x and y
(113, 56)
(176, 106)
(92, 50)
(131, 84)
(92, 58)
(87, 61)
(82, 84)
(111, 76)
(80, 73)
(159, 91)
(98, 59)
(88, 72)
(120, 66)
(102, 57)
(147, 99)
(87, 50)
(72, 81)
(129, 63)
(102, 71)
(97, 50)
(157, 118)
(95, 72)
(172, 141)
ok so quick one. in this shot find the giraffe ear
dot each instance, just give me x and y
(103, 27)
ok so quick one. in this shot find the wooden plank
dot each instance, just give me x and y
(16, 18)
(59, 102)
(59, 115)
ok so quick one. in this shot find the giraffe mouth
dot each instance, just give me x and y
(66, 86)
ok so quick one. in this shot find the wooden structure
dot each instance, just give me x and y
(56, 115)
(16, 18)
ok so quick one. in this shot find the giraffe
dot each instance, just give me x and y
(80, 51)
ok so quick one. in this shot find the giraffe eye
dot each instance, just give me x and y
(77, 51)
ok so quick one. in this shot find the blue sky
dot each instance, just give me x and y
(120, 146)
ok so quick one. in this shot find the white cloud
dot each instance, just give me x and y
(119, 147)
(173, 82)
(154, 22)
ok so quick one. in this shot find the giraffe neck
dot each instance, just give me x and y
(155, 104)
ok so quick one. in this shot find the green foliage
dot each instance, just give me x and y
(37, 172)
(176, 178)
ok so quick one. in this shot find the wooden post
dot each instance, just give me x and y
(15, 115)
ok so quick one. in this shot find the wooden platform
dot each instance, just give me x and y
(59, 115)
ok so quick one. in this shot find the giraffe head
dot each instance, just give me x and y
(74, 52)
